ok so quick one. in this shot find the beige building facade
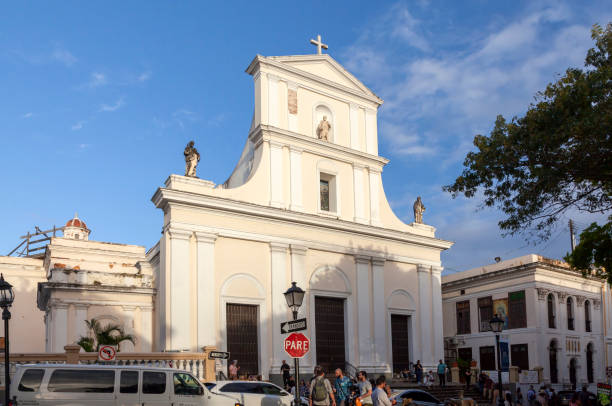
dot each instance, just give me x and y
(305, 204)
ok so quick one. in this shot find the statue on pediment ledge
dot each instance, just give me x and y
(419, 208)
(323, 129)
(192, 157)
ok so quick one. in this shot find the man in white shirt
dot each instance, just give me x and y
(379, 395)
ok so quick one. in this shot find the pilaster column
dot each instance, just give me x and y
(146, 329)
(80, 315)
(273, 109)
(59, 319)
(128, 325)
(359, 193)
(276, 174)
(278, 262)
(295, 159)
(380, 311)
(370, 131)
(354, 122)
(436, 311)
(178, 294)
(374, 178)
(425, 315)
(207, 328)
(298, 273)
(364, 329)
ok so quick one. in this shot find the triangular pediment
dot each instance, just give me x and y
(326, 68)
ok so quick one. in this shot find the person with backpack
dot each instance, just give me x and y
(531, 395)
(321, 390)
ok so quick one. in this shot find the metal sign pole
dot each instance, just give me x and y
(296, 366)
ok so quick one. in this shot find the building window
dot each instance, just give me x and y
(485, 313)
(465, 353)
(551, 310)
(589, 361)
(587, 316)
(327, 190)
(517, 311)
(519, 354)
(570, 314)
(324, 195)
(487, 358)
(552, 359)
(463, 317)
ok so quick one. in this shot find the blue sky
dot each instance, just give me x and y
(97, 101)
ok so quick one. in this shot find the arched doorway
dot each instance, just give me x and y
(572, 373)
(552, 359)
(589, 362)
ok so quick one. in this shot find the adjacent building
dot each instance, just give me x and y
(555, 319)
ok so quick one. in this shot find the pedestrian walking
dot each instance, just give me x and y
(233, 370)
(286, 372)
(519, 397)
(342, 386)
(320, 390)
(365, 388)
(418, 371)
(468, 378)
(442, 373)
(379, 395)
(531, 395)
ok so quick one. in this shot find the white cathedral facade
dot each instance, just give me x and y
(305, 203)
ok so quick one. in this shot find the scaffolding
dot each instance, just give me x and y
(34, 244)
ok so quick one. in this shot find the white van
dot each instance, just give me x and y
(94, 385)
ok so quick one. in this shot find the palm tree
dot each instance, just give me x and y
(109, 334)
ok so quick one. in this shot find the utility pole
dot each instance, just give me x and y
(572, 236)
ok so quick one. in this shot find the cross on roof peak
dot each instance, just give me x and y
(319, 44)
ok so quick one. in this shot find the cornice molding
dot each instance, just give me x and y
(260, 60)
(348, 155)
(512, 273)
(164, 197)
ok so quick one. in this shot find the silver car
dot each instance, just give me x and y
(419, 397)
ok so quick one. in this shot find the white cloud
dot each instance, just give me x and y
(407, 28)
(63, 56)
(184, 115)
(112, 107)
(97, 79)
(27, 115)
(78, 126)
(144, 76)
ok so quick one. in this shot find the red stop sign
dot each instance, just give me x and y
(297, 345)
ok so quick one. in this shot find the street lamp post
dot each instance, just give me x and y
(294, 297)
(6, 300)
(497, 325)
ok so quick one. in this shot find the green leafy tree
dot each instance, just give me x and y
(109, 334)
(557, 157)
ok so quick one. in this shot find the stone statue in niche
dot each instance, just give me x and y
(323, 129)
(192, 157)
(419, 208)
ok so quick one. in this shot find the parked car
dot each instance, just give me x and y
(418, 396)
(97, 385)
(252, 392)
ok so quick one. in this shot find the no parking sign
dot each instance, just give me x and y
(107, 353)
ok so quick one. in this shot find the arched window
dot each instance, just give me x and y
(570, 314)
(552, 359)
(587, 316)
(551, 310)
(589, 361)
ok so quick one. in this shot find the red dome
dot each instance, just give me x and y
(76, 222)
